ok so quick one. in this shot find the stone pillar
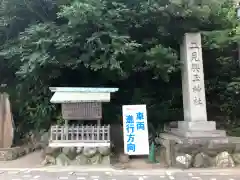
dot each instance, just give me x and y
(195, 122)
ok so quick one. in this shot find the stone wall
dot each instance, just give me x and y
(9, 154)
(201, 153)
(76, 156)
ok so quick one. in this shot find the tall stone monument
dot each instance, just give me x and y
(195, 122)
(196, 137)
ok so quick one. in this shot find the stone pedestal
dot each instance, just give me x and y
(197, 134)
(197, 125)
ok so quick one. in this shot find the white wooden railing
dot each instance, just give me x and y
(79, 135)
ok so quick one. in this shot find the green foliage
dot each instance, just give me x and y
(133, 45)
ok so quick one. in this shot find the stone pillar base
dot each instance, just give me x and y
(198, 134)
(197, 125)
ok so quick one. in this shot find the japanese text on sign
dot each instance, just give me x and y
(196, 74)
(135, 130)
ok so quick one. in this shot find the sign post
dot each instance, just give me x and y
(135, 130)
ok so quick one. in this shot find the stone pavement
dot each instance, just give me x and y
(28, 174)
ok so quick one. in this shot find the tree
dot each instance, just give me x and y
(133, 45)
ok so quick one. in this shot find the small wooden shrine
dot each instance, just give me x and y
(81, 104)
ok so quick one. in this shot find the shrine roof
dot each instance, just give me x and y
(80, 94)
(83, 89)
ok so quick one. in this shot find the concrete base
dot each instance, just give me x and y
(197, 125)
(198, 134)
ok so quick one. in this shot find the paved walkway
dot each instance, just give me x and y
(115, 175)
(28, 168)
